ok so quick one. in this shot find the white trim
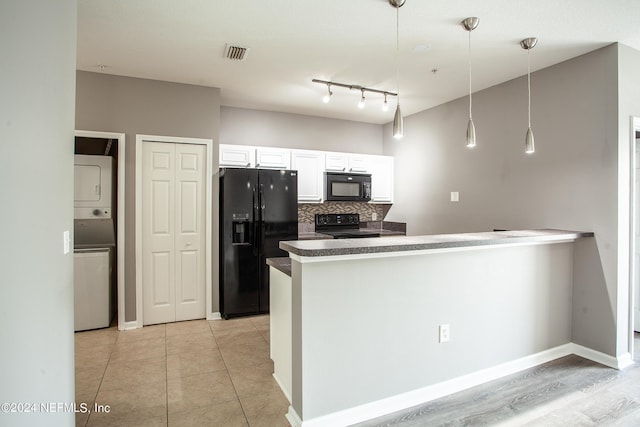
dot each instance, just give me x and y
(435, 391)
(283, 389)
(214, 316)
(120, 238)
(208, 216)
(635, 126)
(619, 362)
(128, 326)
(293, 418)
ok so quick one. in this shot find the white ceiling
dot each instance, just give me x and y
(353, 42)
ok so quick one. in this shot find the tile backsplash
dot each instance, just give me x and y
(307, 211)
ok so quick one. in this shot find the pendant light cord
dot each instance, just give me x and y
(529, 83)
(398, 50)
(470, 101)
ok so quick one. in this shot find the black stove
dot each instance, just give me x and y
(342, 226)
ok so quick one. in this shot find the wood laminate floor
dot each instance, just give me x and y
(566, 392)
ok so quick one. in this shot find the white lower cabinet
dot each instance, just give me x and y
(310, 167)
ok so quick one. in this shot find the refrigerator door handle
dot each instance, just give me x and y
(254, 238)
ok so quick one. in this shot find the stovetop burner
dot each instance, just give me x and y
(342, 226)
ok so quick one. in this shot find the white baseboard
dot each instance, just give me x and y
(293, 418)
(619, 362)
(283, 389)
(416, 397)
(130, 325)
(214, 316)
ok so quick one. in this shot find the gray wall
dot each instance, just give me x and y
(37, 87)
(138, 106)
(273, 129)
(570, 182)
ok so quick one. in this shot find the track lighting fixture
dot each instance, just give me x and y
(470, 24)
(362, 89)
(327, 97)
(361, 103)
(529, 143)
(398, 122)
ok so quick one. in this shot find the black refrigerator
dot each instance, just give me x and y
(258, 209)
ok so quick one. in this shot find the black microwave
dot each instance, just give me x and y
(347, 187)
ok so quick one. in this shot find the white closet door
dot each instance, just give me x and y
(189, 226)
(173, 266)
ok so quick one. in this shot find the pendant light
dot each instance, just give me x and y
(398, 124)
(528, 44)
(470, 24)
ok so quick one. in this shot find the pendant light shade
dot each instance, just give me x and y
(470, 24)
(471, 134)
(529, 144)
(398, 123)
(528, 44)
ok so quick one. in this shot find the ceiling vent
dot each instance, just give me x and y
(235, 53)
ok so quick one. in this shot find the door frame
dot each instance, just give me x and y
(208, 173)
(120, 237)
(634, 225)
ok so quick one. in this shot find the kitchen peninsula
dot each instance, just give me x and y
(378, 325)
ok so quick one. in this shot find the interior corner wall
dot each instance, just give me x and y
(134, 106)
(37, 87)
(241, 126)
(569, 183)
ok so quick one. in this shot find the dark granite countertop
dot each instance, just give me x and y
(281, 263)
(316, 248)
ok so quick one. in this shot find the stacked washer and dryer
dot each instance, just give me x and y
(94, 241)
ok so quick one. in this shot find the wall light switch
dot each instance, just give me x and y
(455, 196)
(444, 333)
(66, 242)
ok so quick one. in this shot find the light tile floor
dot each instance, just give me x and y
(195, 373)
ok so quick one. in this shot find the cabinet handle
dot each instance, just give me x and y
(248, 164)
(344, 169)
(257, 164)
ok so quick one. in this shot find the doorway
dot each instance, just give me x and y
(111, 144)
(173, 229)
(635, 226)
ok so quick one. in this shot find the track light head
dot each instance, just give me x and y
(385, 105)
(361, 103)
(327, 97)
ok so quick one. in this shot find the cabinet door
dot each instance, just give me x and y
(273, 158)
(358, 163)
(310, 167)
(237, 155)
(381, 168)
(336, 162)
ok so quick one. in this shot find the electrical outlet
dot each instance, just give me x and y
(455, 196)
(374, 216)
(444, 333)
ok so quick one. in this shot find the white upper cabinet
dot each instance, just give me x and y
(381, 168)
(310, 167)
(273, 158)
(336, 162)
(345, 162)
(358, 163)
(237, 155)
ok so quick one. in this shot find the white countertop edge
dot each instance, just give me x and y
(350, 257)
